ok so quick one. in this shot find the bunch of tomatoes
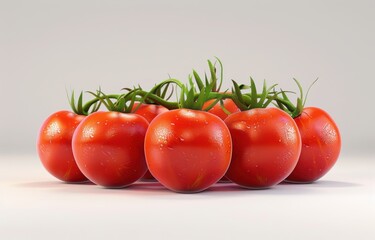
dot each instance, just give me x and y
(191, 142)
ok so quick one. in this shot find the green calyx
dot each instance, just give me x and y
(159, 94)
(117, 103)
(252, 99)
(212, 82)
(192, 95)
(286, 105)
(87, 108)
(208, 89)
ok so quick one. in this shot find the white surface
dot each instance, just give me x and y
(33, 205)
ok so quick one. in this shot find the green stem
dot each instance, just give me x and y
(88, 105)
(157, 99)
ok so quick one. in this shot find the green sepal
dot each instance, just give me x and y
(198, 80)
(253, 93)
(120, 104)
(238, 97)
(77, 108)
(267, 95)
(213, 75)
(226, 111)
(299, 108)
(72, 103)
(79, 104)
(221, 74)
(211, 105)
(263, 96)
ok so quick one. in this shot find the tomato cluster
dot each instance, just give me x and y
(189, 144)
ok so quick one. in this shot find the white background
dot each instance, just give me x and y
(48, 47)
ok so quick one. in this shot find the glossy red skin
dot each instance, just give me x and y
(108, 148)
(188, 150)
(321, 145)
(54, 146)
(266, 147)
(149, 111)
(218, 111)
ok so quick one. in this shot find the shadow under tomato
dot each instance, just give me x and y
(50, 184)
(324, 184)
(147, 186)
(226, 187)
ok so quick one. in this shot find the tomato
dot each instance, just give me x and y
(108, 147)
(149, 111)
(54, 146)
(266, 147)
(321, 144)
(188, 150)
(218, 111)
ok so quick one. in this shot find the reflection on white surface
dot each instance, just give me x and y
(34, 205)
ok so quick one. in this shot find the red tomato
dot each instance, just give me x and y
(149, 111)
(54, 145)
(321, 144)
(218, 111)
(187, 150)
(266, 147)
(108, 147)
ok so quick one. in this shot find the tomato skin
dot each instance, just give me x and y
(218, 111)
(266, 147)
(321, 145)
(108, 147)
(188, 150)
(54, 146)
(149, 111)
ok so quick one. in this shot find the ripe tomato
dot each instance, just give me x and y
(266, 147)
(218, 111)
(54, 145)
(321, 144)
(149, 111)
(108, 147)
(187, 150)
